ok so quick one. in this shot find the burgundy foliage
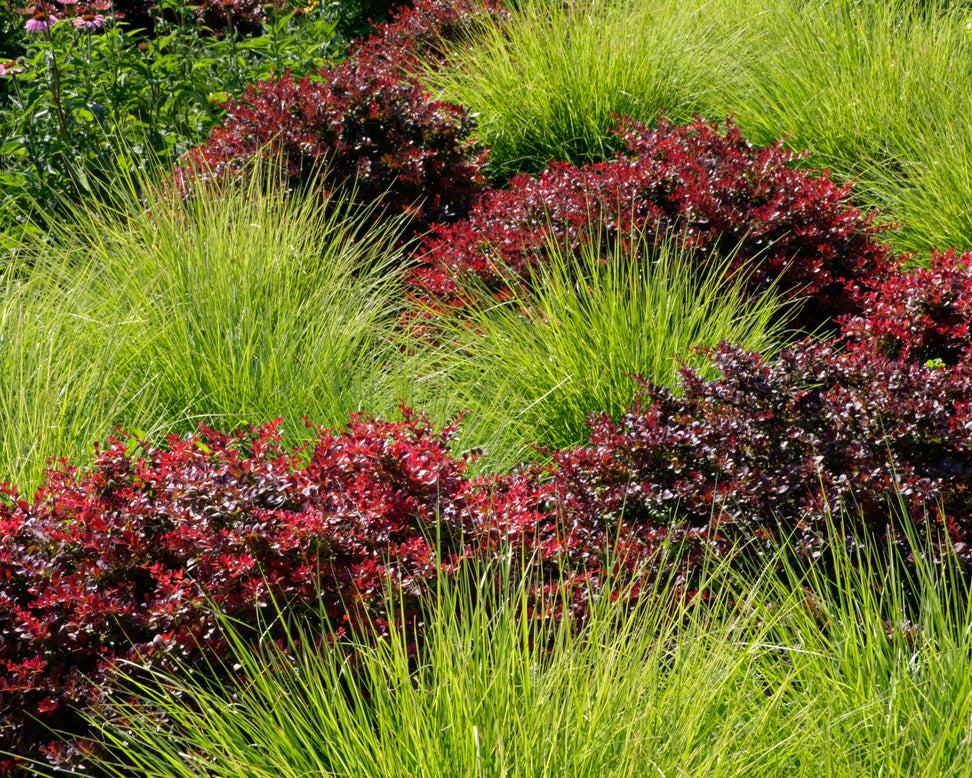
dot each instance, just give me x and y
(117, 563)
(359, 127)
(771, 448)
(715, 192)
(367, 125)
(920, 315)
(419, 36)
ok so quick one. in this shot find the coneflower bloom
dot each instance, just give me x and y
(100, 5)
(90, 22)
(41, 22)
(11, 68)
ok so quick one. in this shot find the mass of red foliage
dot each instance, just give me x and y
(358, 127)
(419, 36)
(126, 560)
(367, 126)
(712, 190)
(920, 315)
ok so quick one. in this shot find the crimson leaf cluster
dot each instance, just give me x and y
(712, 190)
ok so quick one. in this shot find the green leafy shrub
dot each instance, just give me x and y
(92, 101)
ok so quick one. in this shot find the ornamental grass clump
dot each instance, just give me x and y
(563, 342)
(878, 91)
(486, 686)
(159, 314)
(548, 80)
(772, 670)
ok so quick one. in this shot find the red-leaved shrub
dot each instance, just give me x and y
(358, 126)
(919, 315)
(367, 125)
(419, 36)
(714, 191)
(769, 449)
(118, 562)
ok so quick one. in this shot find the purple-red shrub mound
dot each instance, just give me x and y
(920, 315)
(715, 192)
(768, 448)
(117, 562)
(358, 126)
(418, 37)
(367, 125)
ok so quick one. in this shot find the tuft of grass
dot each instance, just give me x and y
(761, 679)
(229, 310)
(880, 92)
(566, 342)
(548, 84)
(876, 654)
(261, 305)
(486, 691)
(66, 372)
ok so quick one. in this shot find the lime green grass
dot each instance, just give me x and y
(566, 342)
(241, 309)
(227, 311)
(764, 680)
(547, 85)
(879, 90)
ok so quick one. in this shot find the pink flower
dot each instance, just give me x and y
(11, 68)
(90, 22)
(101, 5)
(41, 22)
